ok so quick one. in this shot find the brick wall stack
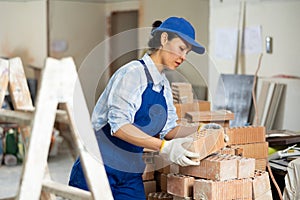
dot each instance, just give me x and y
(232, 170)
(252, 141)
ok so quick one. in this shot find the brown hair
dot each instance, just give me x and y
(154, 43)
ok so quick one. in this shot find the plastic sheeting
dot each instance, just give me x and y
(292, 181)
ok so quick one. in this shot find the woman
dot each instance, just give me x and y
(136, 111)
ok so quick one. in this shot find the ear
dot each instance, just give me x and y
(164, 38)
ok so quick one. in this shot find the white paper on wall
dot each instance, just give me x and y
(226, 43)
(252, 40)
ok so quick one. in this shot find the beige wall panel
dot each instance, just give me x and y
(23, 32)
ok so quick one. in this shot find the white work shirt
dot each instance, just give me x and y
(122, 97)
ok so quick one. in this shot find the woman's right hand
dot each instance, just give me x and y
(175, 152)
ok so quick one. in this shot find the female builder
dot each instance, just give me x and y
(136, 111)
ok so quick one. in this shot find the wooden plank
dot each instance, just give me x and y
(25, 118)
(261, 102)
(18, 117)
(18, 87)
(65, 191)
(3, 79)
(45, 195)
(36, 157)
(274, 104)
(206, 116)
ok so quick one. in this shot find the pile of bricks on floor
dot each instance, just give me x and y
(227, 171)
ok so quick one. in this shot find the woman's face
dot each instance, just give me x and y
(174, 52)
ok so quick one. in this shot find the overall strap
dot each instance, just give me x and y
(149, 77)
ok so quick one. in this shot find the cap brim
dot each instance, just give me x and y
(196, 47)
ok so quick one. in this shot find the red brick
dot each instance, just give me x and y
(180, 185)
(222, 190)
(260, 183)
(254, 150)
(214, 167)
(245, 167)
(163, 182)
(160, 196)
(261, 164)
(182, 198)
(227, 150)
(150, 186)
(265, 196)
(149, 172)
(246, 135)
(232, 151)
(207, 142)
(161, 164)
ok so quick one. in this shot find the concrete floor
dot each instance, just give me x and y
(59, 166)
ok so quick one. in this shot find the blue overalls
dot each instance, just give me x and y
(123, 161)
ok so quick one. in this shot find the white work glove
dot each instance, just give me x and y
(209, 126)
(175, 152)
(213, 126)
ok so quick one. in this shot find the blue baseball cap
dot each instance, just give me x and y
(183, 29)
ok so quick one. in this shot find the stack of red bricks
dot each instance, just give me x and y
(232, 170)
(252, 141)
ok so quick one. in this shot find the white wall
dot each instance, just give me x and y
(277, 18)
(23, 32)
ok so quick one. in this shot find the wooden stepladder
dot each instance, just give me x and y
(12, 77)
(3, 79)
(60, 85)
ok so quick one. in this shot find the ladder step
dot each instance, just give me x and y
(66, 191)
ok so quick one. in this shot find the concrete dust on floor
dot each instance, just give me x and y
(59, 166)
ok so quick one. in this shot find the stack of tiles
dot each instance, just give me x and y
(182, 92)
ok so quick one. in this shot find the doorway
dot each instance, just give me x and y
(124, 38)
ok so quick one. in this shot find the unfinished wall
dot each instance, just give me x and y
(23, 32)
